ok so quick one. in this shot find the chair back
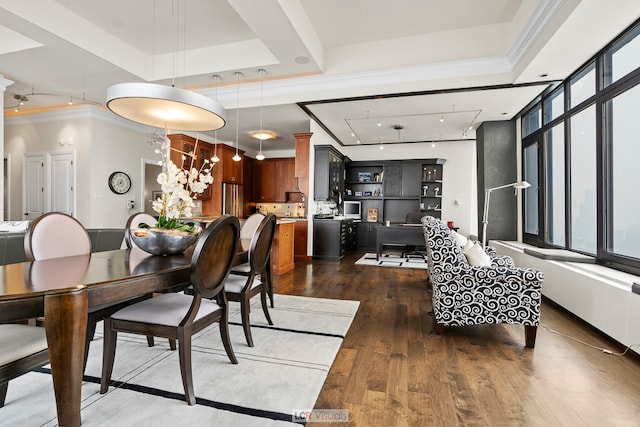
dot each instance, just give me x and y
(261, 244)
(134, 222)
(213, 256)
(442, 249)
(414, 217)
(250, 226)
(55, 235)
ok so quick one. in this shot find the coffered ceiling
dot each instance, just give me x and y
(348, 64)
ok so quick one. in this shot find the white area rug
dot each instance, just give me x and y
(392, 260)
(283, 373)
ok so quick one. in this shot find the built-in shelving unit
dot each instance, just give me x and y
(431, 189)
(395, 187)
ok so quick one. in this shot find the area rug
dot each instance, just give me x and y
(392, 260)
(283, 373)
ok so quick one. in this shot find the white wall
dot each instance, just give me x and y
(102, 143)
(459, 172)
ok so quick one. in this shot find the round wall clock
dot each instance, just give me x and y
(119, 182)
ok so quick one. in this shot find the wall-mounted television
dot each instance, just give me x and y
(352, 209)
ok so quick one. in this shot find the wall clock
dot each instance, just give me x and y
(119, 182)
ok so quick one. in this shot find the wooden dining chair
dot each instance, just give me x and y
(134, 222)
(179, 316)
(247, 230)
(56, 235)
(243, 287)
(22, 348)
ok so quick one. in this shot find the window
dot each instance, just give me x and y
(623, 57)
(554, 106)
(555, 183)
(582, 160)
(531, 193)
(583, 85)
(532, 121)
(624, 151)
(583, 181)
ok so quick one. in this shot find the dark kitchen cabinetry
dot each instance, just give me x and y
(329, 173)
(366, 235)
(332, 239)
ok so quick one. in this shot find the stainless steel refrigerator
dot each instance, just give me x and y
(232, 199)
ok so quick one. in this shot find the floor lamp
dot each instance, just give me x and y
(487, 194)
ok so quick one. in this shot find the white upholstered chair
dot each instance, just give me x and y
(22, 348)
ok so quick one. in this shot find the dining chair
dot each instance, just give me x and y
(22, 348)
(134, 222)
(247, 230)
(242, 288)
(177, 315)
(55, 235)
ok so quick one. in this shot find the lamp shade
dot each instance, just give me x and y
(165, 107)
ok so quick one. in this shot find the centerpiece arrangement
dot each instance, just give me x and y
(180, 187)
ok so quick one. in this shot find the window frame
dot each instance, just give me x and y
(605, 92)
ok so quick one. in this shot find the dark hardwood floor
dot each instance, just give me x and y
(393, 371)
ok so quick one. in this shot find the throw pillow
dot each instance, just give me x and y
(462, 241)
(476, 256)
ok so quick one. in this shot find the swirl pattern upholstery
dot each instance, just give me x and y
(466, 295)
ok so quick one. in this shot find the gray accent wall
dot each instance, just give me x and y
(497, 165)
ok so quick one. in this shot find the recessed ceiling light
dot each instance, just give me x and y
(263, 135)
(302, 60)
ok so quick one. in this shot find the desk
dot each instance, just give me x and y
(65, 290)
(398, 235)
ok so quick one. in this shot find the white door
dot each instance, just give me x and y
(62, 183)
(33, 179)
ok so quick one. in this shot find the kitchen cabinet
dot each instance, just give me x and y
(184, 145)
(231, 170)
(329, 173)
(282, 252)
(226, 170)
(366, 235)
(402, 179)
(332, 239)
(273, 178)
(300, 239)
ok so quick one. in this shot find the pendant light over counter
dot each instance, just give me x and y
(236, 157)
(215, 158)
(260, 156)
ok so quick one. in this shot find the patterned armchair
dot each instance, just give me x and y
(466, 295)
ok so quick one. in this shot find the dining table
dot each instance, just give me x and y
(65, 290)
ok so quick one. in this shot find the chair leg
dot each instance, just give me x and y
(91, 331)
(184, 353)
(269, 280)
(150, 341)
(265, 309)
(108, 355)
(438, 328)
(172, 344)
(530, 336)
(245, 309)
(3, 392)
(224, 335)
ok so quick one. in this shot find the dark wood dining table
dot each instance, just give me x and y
(65, 290)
